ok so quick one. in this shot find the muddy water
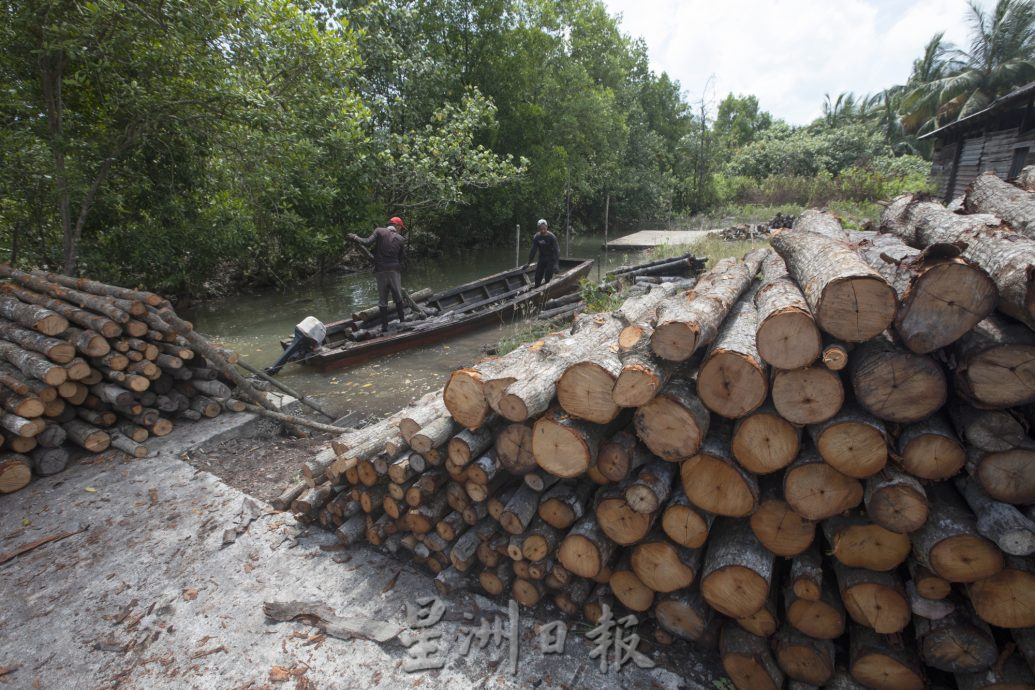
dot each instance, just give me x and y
(252, 324)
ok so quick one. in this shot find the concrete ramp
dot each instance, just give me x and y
(647, 239)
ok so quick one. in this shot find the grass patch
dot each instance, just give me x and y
(528, 332)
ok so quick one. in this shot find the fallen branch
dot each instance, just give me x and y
(10, 555)
(291, 419)
(322, 616)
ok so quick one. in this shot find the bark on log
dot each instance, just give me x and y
(469, 445)
(930, 450)
(39, 319)
(714, 481)
(995, 364)
(853, 442)
(651, 487)
(777, 526)
(520, 510)
(941, 295)
(764, 442)
(81, 317)
(949, 543)
(786, 334)
(32, 364)
(990, 194)
(817, 491)
(738, 570)
(685, 614)
(674, 423)
(848, 299)
(86, 436)
(54, 349)
(1000, 522)
(807, 396)
(688, 322)
(896, 385)
(643, 372)
(48, 461)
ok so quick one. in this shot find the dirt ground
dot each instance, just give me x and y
(261, 468)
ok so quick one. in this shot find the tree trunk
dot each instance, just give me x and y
(32, 364)
(853, 442)
(499, 580)
(988, 430)
(585, 550)
(777, 526)
(520, 510)
(895, 385)
(684, 523)
(651, 488)
(817, 491)
(733, 380)
(848, 299)
(565, 503)
(822, 618)
(949, 543)
(804, 658)
(807, 396)
(990, 194)
(764, 442)
(434, 433)
(469, 445)
(835, 354)
(786, 333)
(585, 388)
(84, 300)
(896, 501)
(619, 522)
(1002, 523)
(995, 364)
(674, 423)
(618, 457)
(884, 662)
(643, 372)
(565, 446)
(714, 481)
(101, 324)
(875, 600)
(39, 319)
(738, 570)
(629, 589)
(684, 613)
(1006, 599)
(929, 449)
(664, 566)
(1005, 476)
(941, 295)
(687, 322)
(746, 659)
(514, 449)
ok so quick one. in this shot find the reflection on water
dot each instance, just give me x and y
(252, 324)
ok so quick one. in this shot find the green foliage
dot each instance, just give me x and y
(599, 298)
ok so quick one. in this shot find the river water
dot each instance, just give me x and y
(252, 324)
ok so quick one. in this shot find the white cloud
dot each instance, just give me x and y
(788, 53)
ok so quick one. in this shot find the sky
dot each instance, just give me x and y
(789, 53)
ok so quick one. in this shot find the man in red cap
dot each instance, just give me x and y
(389, 256)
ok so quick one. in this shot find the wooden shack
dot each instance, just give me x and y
(1000, 138)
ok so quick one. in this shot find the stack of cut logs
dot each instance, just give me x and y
(816, 461)
(85, 365)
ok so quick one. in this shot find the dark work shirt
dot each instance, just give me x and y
(546, 245)
(389, 249)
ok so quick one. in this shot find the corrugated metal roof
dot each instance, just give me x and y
(1015, 95)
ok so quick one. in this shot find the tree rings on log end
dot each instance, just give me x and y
(674, 340)
(947, 301)
(879, 607)
(780, 529)
(735, 591)
(715, 484)
(465, 399)
(870, 546)
(673, 427)
(932, 456)
(857, 308)
(1003, 376)
(661, 566)
(765, 442)
(15, 472)
(965, 558)
(898, 386)
(807, 396)
(1006, 600)
(1008, 476)
(875, 670)
(789, 339)
(817, 491)
(629, 590)
(559, 446)
(622, 524)
(584, 390)
(855, 448)
(684, 525)
(732, 384)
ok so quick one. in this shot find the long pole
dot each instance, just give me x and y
(607, 212)
(304, 399)
(517, 245)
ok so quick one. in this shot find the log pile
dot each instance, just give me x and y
(843, 500)
(86, 366)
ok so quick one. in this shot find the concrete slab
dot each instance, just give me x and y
(647, 239)
(148, 595)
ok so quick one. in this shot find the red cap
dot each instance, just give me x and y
(397, 222)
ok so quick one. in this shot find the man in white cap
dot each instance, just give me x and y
(545, 244)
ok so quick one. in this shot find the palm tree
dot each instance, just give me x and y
(951, 83)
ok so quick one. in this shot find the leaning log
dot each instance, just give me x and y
(733, 380)
(990, 194)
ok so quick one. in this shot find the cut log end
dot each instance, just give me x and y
(857, 309)
(789, 340)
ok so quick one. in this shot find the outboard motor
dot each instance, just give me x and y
(308, 337)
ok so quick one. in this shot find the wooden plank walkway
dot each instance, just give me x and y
(646, 239)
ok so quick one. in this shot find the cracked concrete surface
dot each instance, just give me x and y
(149, 596)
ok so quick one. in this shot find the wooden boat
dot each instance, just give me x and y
(495, 299)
